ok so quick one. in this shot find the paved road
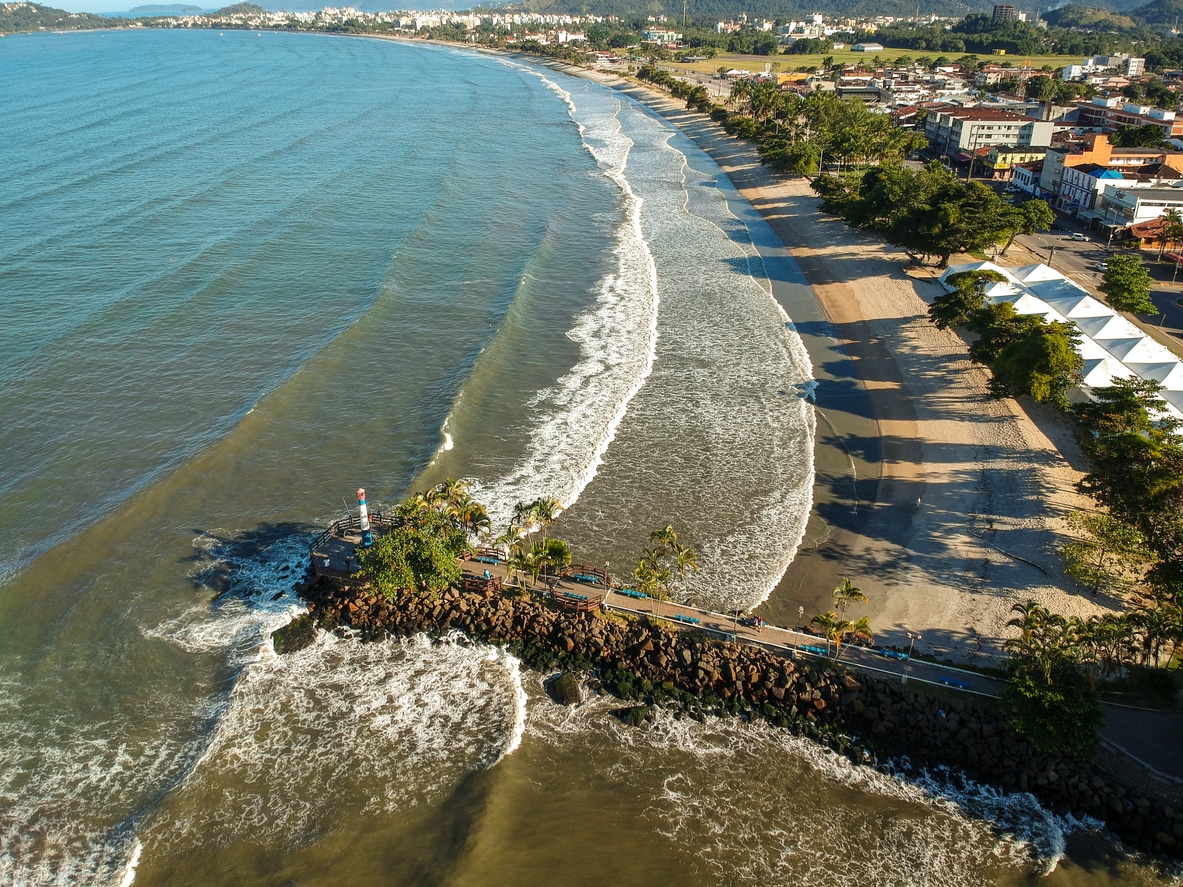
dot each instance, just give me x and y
(1077, 258)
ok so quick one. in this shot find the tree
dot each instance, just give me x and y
(1148, 136)
(1027, 218)
(968, 297)
(1043, 363)
(1086, 559)
(1172, 230)
(1126, 285)
(836, 629)
(419, 552)
(960, 217)
(1064, 716)
(845, 593)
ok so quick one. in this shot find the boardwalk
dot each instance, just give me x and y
(589, 584)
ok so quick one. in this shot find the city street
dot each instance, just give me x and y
(1077, 259)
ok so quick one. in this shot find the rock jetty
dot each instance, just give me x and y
(649, 662)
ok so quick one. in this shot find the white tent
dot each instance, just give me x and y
(1111, 346)
(1100, 372)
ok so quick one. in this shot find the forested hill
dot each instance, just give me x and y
(17, 17)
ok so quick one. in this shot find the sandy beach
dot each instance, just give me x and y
(946, 506)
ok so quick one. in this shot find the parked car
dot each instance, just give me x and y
(1100, 266)
(1076, 235)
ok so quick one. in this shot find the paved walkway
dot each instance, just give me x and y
(1150, 736)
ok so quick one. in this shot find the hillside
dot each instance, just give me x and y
(18, 17)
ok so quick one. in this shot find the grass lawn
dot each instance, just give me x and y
(756, 63)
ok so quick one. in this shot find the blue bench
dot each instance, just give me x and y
(820, 651)
(488, 560)
(689, 620)
(578, 597)
(893, 654)
(953, 682)
(629, 592)
(579, 577)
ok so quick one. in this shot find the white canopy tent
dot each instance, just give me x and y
(1111, 346)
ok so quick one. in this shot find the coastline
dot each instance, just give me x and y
(902, 416)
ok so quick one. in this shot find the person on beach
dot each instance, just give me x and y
(917, 503)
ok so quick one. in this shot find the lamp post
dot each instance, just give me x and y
(800, 616)
(912, 639)
(1051, 255)
(607, 577)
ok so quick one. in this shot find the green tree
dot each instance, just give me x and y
(1027, 218)
(1126, 285)
(845, 593)
(1063, 716)
(960, 217)
(418, 552)
(1172, 230)
(1148, 136)
(966, 299)
(1043, 364)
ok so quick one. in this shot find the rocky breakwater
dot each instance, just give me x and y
(650, 662)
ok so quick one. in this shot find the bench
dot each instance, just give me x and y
(954, 682)
(820, 651)
(689, 620)
(893, 654)
(579, 577)
(488, 560)
(633, 593)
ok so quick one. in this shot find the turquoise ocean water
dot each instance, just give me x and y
(243, 274)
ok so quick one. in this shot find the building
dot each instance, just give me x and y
(1123, 207)
(1001, 160)
(1107, 114)
(1026, 176)
(952, 130)
(1082, 186)
(867, 47)
(1004, 13)
(1096, 149)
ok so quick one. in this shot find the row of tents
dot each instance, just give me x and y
(1111, 346)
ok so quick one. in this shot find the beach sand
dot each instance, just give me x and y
(903, 415)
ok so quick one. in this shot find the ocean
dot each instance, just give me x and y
(244, 274)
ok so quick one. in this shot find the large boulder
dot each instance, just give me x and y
(565, 689)
(296, 635)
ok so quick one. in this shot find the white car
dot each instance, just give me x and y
(1076, 235)
(1100, 266)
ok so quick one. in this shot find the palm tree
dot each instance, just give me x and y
(833, 628)
(1172, 230)
(845, 593)
(511, 539)
(471, 517)
(666, 536)
(544, 511)
(685, 557)
(519, 562)
(651, 577)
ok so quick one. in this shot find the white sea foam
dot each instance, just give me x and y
(128, 876)
(760, 806)
(343, 728)
(580, 416)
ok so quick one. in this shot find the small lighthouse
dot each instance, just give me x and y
(367, 538)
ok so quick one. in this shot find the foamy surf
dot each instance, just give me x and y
(759, 806)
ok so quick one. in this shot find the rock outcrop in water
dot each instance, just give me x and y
(650, 662)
